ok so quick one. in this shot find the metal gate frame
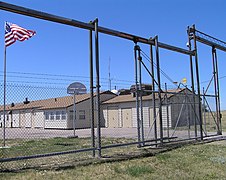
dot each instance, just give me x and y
(94, 27)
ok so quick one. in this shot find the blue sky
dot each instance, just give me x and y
(63, 50)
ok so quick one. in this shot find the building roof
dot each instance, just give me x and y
(53, 103)
(130, 98)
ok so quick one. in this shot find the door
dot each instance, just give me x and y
(152, 117)
(113, 120)
(22, 119)
(127, 117)
(27, 119)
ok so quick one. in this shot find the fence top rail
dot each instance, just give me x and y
(87, 26)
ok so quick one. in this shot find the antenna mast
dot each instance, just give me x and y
(109, 73)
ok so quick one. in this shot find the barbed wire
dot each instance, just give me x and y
(57, 75)
(104, 82)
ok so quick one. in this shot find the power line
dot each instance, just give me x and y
(162, 72)
(149, 59)
(59, 75)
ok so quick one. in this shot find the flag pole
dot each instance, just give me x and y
(11, 36)
(4, 103)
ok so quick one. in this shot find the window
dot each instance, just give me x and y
(51, 116)
(47, 115)
(57, 115)
(63, 115)
(82, 114)
(71, 114)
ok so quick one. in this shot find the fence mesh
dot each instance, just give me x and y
(39, 128)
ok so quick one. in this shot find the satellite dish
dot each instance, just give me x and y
(76, 88)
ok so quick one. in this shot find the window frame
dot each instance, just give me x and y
(82, 114)
(47, 114)
(63, 115)
(58, 115)
(52, 116)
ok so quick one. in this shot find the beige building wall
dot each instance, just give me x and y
(16, 119)
(124, 110)
(38, 119)
(126, 114)
(83, 113)
(53, 122)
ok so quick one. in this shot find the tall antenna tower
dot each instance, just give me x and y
(109, 72)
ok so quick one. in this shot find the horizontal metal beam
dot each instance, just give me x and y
(207, 39)
(210, 43)
(88, 26)
(45, 155)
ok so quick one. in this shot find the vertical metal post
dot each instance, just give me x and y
(218, 94)
(198, 83)
(204, 110)
(216, 90)
(192, 84)
(98, 89)
(74, 114)
(159, 89)
(188, 116)
(141, 99)
(167, 111)
(4, 103)
(91, 89)
(137, 98)
(153, 94)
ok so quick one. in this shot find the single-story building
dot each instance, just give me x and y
(52, 113)
(116, 110)
(121, 111)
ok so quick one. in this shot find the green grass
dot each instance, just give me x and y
(203, 161)
(134, 170)
(206, 161)
(20, 147)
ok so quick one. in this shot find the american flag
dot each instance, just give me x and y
(14, 32)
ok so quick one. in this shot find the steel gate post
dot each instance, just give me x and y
(167, 111)
(216, 90)
(153, 94)
(91, 89)
(97, 88)
(140, 95)
(204, 113)
(218, 94)
(137, 94)
(159, 89)
(192, 81)
(198, 83)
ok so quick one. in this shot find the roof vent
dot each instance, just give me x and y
(26, 101)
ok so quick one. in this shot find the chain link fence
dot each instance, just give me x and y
(39, 125)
